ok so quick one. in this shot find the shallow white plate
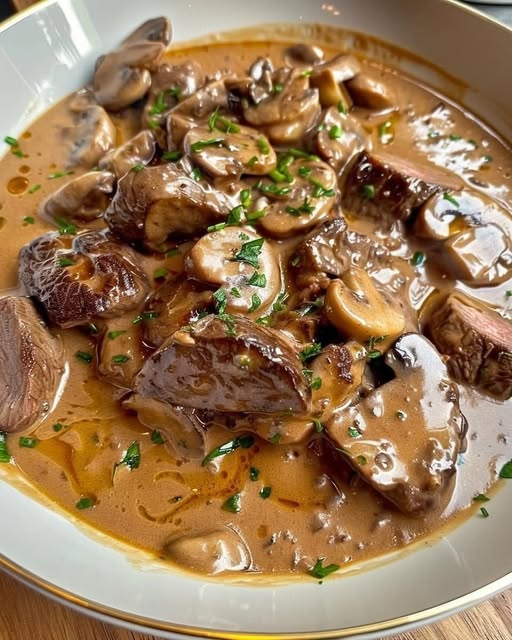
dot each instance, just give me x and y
(50, 51)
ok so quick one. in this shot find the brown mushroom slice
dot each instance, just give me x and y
(340, 139)
(278, 429)
(445, 214)
(476, 343)
(169, 85)
(331, 92)
(90, 138)
(218, 259)
(369, 90)
(172, 306)
(309, 199)
(227, 363)
(123, 76)
(388, 188)
(303, 55)
(196, 108)
(83, 198)
(136, 152)
(181, 428)
(211, 552)
(160, 201)
(480, 256)
(155, 30)
(335, 375)
(82, 278)
(343, 66)
(238, 150)
(32, 365)
(120, 352)
(285, 115)
(404, 437)
(356, 307)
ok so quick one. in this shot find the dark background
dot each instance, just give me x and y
(5, 9)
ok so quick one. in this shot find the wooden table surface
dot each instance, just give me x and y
(26, 615)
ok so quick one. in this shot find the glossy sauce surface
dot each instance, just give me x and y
(297, 502)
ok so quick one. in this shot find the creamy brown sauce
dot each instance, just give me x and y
(315, 508)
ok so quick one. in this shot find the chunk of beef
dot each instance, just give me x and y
(160, 201)
(120, 352)
(82, 278)
(404, 437)
(32, 365)
(227, 363)
(477, 343)
(387, 188)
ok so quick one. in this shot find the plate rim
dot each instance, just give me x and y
(119, 617)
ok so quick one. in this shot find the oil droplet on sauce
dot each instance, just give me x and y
(17, 185)
(2, 223)
(27, 135)
(24, 168)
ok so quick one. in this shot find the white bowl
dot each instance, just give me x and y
(49, 51)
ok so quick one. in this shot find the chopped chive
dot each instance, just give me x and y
(160, 273)
(263, 146)
(195, 147)
(120, 358)
(304, 208)
(481, 498)
(455, 137)
(65, 262)
(28, 220)
(112, 335)
(320, 572)
(320, 190)
(59, 174)
(12, 142)
(335, 132)
(65, 226)
(171, 156)
(255, 215)
(254, 474)
(319, 427)
(245, 197)
(304, 171)
(418, 259)
(251, 162)
(58, 426)
(29, 443)
(196, 174)
(484, 512)
(342, 107)
(83, 356)
(216, 227)
(265, 492)
(4, 453)
(451, 199)
(34, 188)
(170, 253)
(276, 438)
(368, 191)
(138, 167)
(148, 315)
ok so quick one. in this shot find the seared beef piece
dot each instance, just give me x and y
(227, 363)
(404, 437)
(156, 202)
(32, 365)
(172, 306)
(120, 352)
(387, 188)
(81, 278)
(477, 343)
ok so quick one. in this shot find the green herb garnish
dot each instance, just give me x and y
(254, 473)
(418, 259)
(65, 226)
(451, 199)
(233, 504)
(310, 352)
(265, 492)
(195, 147)
(258, 280)
(160, 273)
(83, 356)
(156, 437)
(28, 220)
(506, 470)
(34, 188)
(335, 132)
(216, 227)
(368, 191)
(131, 458)
(320, 190)
(4, 452)
(85, 503)
(171, 156)
(320, 572)
(58, 426)
(481, 498)
(220, 297)
(120, 358)
(263, 146)
(65, 262)
(29, 443)
(59, 174)
(112, 335)
(255, 302)
(249, 252)
(354, 432)
(484, 512)
(243, 442)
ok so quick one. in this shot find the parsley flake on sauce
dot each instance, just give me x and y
(250, 252)
(319, 571)
(242, 442)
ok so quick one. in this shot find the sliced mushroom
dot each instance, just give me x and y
(79, 279)
(340, 138)
(227, 363)
(404, 437)
(136, 152)
(359, 310)
(289, 111)
(120, 352)
(180, 428)
(84, 198)
(370, 91)
(331, 92)
(169, 85)
(123, 76)
(343, 66)
(210, 552)
(32, 365)
(90, 138)
(303, 55)
(280, 429)
(445, 214)
(156, 202)
(171, 307)
(300, 205)
(480, 256)
(230, 152)
(195, 110)
(218, 259)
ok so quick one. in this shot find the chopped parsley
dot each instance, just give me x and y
(65, 226)
(506, 470)
(304, 208)
(255, 302)
(235, 215)
(160, 273)
(147, 315)
(372, 351)
(170, 253)
(156, 437)
(279, 304)
(265, 492)
(220, 297)
(342, 107)
(28, 220)
(481, 498)
(354, 432)
(34, 188)
(254, 474)
(131, 458)
(196, 174)
(319, 571)
(310, 352)
(241, 442)
(235, 292)
(58, 426)
(258, 280)
(112, 335)
(65, 262)
(368, 191)
(85, 503)
(418, 259)
(249, 252)
(233, 504)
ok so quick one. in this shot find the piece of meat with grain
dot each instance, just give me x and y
(227, 363)
(387, 188)
(476, 342)
(32, 365)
